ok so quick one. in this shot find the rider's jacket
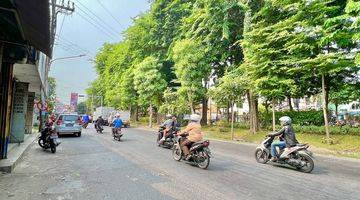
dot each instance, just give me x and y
(288, 134)
(194, 131)
(117, 123)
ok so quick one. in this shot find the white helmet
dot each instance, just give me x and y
(168, 116)
(195, 117)
(117, 115)
(285, 120)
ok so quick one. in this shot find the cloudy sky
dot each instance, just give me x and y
(93, 23)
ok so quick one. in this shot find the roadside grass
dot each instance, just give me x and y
(343, 145)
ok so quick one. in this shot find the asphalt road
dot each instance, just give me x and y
(97, 167)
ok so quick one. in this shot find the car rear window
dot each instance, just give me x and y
(70, 117)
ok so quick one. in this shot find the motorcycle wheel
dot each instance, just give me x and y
(205, 163)
(41, 143)
(176, 152)
(53, 149)
(261, 156)
(309, 163)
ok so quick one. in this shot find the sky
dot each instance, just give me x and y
(84, 32)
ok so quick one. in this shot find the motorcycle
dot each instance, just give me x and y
(85, 124)
(170, 140)
(99, 128)
(199, 153)
(49, 139)
(298, 157)
(117, 133)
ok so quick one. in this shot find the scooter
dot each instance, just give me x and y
(99, 128)
(117, 133)
(298, 157)
(49, 139)
(199, 153)
(170, 139)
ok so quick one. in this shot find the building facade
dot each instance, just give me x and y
(24, 48)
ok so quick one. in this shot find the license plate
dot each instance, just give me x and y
(69, 125)
(53, 136)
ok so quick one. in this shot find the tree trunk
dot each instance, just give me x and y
(217, 114)
(325, 105)
(267, 106)
(273, 116)
(336, 109)
(150, 115)
(228, 112)
(254, 117)
(137, 113)
(289, 102)
(249, 113)
(232, 120)
(210, 117)
(204, 111)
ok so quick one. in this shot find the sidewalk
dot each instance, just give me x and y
(16, 152)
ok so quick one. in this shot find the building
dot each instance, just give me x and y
(24, 51)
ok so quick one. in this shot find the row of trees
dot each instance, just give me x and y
(268, 49)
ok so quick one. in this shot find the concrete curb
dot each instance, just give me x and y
(256, 144)
(16, 154)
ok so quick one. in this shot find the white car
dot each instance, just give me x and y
(68, 123)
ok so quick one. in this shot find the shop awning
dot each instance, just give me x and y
(26, 22)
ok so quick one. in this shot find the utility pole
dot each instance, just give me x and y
(55, 9)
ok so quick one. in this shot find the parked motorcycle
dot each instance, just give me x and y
(299, 157)
(49, 139)
(199, 153)
(170, 140)
(117, 133)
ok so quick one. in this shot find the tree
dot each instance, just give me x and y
(230, 89)
(217, 25)
(252, 8)
(51, 98)
(173, 103)
(191, 69)
(149, 83)
(82, 108)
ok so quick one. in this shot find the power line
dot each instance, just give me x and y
(100, 24)
(70, 43)
(108, 11)
(67, 48)
(71, 47)
(61, 26)
(96, 26)
(97, 19)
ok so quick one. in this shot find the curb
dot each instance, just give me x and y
(16, 154)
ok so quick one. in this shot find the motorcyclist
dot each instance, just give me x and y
(117, 122)
(99, 122)
(287, 138)
(85, 120)
(169, 124)
(193, 132)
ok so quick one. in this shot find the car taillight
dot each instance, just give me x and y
(59, 122)
(206, 143)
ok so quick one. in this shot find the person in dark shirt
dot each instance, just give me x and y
(287, 137)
